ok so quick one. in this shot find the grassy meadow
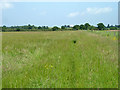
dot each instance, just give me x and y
(53, 60)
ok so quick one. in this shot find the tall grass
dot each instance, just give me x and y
(52, 60)
(107, 33)
(0, 60)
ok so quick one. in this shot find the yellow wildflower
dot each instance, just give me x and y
(51, 66)
(114, 38)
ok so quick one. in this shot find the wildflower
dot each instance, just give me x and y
(48, 66)
(114, 38)
(51, 66)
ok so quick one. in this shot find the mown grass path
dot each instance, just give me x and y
(51, 59)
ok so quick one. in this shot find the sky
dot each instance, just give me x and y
(59, 13)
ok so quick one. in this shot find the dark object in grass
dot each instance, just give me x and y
(74, 41)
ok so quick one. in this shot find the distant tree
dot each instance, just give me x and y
(29, 26)
(113, 28)
(101, 26)
(62, 27)
(55, 28)
(65, 26)
(39, 27)
(87, 25)
(25, 27)
(68, 26)
(4, 26)
(82, 27)
(118, 26)
(47, 27)
(17, 29)
(34, 27)
(12, 27)
(108, 26)
(76, 27)
(44, 27)
(92, 27)
(96, 28)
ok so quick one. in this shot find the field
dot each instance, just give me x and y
(53, 60)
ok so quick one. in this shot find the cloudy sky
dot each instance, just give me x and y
(59, 13)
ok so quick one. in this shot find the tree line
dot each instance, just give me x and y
(86, 26)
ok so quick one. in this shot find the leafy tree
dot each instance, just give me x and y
(113, 28)
(96, 28)
(68, 26)
(101, 26)
(108, 26)
(82, 27)
(87, 25)
(43, 27)
(4, 27)
(76, 27)
(62, 27)
(29, 26)
(17, 29)
(34, 27)
(39, 27)
(118, 26)
(55, 28)
(47, 27)
(92, 27)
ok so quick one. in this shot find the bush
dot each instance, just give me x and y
(55, 28)
(17, 29)
(113, 28)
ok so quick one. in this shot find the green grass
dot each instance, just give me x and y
(52, 60)
(107, 33)
(0, 61)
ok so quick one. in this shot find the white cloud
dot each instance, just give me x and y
(73, 14)
(5, 5)
(94, 11)
(98, 10)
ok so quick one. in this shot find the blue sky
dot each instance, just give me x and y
(59, 13)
